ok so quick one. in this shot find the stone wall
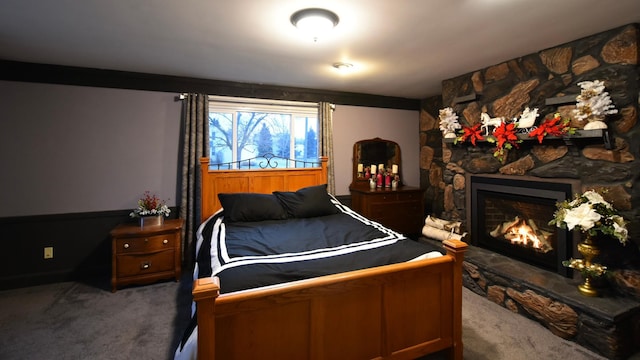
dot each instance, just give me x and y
(534, 80)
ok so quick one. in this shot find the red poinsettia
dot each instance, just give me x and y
(505, 137)
(473, 133)
(552, 127)
(506, 134)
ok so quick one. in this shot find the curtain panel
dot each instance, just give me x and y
(195, 131)
(325, 113)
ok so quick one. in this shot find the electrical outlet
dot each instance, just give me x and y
(48, 252)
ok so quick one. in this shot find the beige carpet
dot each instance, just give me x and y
(80, 321)
(491, 332)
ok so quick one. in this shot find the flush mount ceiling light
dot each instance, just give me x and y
(342, 66)
(314, 21)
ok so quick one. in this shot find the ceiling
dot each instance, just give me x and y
(399, 48)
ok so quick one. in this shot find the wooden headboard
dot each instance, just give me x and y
(257, 181)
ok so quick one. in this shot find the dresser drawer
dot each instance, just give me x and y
(409, 196)
(145, 244)
(395, 209)
(141, 264)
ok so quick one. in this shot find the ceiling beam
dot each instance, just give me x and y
(71, 75)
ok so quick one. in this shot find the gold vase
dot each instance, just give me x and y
(589, 250)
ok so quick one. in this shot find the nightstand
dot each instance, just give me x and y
(145, 254)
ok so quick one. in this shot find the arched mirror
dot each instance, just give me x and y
(371, 153)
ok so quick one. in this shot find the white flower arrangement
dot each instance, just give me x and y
(593, 104)
(591, 213)
(150, 205)
(449, 122)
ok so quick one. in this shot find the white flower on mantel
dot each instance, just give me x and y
(449, 123)
(593, 105)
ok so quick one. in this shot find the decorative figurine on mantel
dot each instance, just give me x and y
(593, 105)
(449, 123)
(487, 121)
(528, 118)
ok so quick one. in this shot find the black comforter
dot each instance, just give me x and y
(253, 254)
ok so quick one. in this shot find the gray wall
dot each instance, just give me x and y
(67, 149)
(71, 149)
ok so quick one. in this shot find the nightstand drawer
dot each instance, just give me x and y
(140, 264)
(145, 244)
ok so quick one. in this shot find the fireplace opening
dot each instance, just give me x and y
(510, 216)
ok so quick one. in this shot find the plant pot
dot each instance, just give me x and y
(589, 251)
(155, 220)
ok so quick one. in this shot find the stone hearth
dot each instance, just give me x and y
(608, 325)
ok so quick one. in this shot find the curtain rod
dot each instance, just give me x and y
(241, 100)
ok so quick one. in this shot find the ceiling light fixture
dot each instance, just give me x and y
(342, 66)
(314, 21)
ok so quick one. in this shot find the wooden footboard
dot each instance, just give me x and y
(400, 311)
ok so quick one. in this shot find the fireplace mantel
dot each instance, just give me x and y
(586, 135)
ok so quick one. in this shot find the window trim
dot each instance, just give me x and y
(293, 108)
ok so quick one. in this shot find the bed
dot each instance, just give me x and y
(349, 309)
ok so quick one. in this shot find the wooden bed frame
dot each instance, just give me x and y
(400, 311)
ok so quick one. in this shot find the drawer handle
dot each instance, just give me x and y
(145, 265)
(146, 240)
(126, 246)
(165, 241)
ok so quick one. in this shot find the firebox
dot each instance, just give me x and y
(510, 215)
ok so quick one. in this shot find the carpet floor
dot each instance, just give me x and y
(75, 320)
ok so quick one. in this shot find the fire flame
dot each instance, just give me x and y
(524, 233)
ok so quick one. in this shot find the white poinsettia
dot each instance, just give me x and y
(595, 198)
(620, 230)
(583, 216)
(591, 213)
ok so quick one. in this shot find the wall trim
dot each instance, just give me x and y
(81, 242)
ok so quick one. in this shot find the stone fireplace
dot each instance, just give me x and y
(527, 281)
(510, 215)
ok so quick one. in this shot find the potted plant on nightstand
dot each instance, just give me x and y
(151, 210)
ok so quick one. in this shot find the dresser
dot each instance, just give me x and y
(400, 210)
(145, 254)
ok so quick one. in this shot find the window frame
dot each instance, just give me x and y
(295, 109)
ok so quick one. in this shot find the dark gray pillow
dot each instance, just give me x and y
(307, 202)
(251, 207)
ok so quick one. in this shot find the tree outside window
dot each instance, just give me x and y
(237, 135)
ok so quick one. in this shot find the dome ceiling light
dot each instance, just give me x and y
(342, 66)
(314, 21)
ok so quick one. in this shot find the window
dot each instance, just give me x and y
(254, 133)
